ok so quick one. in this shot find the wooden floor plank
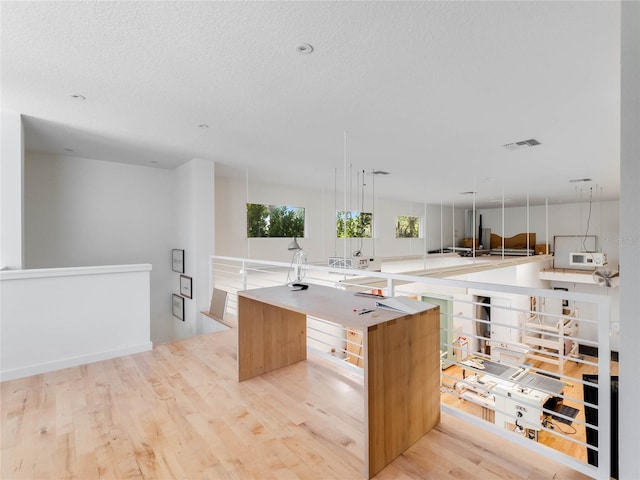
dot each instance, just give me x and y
(178, 412)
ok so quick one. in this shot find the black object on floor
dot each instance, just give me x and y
(567, 411)
(590, 390)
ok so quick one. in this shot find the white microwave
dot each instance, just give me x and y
(587, 259)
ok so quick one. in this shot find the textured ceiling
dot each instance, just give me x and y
(429, 91)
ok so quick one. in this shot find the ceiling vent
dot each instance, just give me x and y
(524, 143)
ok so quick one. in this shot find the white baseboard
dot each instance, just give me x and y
(72, 362)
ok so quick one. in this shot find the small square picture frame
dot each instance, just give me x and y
(177, 306)
(177, 260)
(185, 286)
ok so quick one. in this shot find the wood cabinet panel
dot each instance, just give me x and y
(272, 337)
(402, 382)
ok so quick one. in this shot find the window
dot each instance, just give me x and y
(407, 227)
(274, 221)
(358, 224)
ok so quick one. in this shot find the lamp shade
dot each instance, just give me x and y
(294, 245)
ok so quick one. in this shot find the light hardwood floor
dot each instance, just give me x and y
(177, 412)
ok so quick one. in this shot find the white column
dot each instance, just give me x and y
(11, 191)
(629, 414)
(195, 192)
(203, 232)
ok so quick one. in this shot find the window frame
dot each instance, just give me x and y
(257, 220)
(353, 215)
(418, 226)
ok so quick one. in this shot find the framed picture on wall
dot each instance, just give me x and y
(178, 306)
(177, 260)
(185, 286)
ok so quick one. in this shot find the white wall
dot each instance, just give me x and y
(566, 219)
(194, 232)
(230, 217)
(82, 212)
(57, 318)
(440, 223)
(320, 206)
(11, 190)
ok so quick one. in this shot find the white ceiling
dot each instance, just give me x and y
(429, 91)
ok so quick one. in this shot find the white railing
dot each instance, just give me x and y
(540, 337)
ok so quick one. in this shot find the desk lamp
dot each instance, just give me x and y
(298, 263)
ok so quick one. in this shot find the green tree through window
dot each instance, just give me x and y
(274, 221)
(358, 224)
(407, 227)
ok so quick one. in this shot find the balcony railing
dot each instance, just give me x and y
(520, 362)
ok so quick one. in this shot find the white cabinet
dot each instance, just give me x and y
(446, 327)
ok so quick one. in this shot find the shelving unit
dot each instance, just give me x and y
(547, 342)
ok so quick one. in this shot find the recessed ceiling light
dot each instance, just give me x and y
(580, 180)
(77, 96)
(304, 48)
(203, 125)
